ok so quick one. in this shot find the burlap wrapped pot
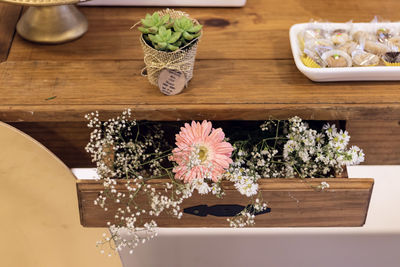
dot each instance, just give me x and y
(181, 59)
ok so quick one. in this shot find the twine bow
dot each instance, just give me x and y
(157, 64)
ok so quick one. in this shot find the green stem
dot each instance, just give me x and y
(137, 134)
(276, 134)
(150, 161)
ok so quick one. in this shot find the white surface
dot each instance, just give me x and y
(165, 3)
(85, 173)
(378, 73)
(374, 245)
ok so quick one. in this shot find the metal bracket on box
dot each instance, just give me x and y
(221, 210)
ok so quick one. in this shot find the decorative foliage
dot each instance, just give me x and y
(167, 34)
(165, 39)
(202, 159)
(295, 150)
(188, 29)
(152, 23)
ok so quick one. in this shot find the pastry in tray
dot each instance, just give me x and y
(332, 45)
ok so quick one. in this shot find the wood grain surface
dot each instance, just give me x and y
(293, 203)
(244, 69)
(259, 30)
(238, 89)
(380, 140)
(8, 19)
(67, 140)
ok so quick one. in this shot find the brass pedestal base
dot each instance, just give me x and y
(52, 24)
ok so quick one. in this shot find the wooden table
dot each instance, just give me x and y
(244, 70)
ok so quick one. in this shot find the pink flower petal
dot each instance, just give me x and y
(218, 151)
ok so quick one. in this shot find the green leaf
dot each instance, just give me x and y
(183, 41)
(153, 29)
(177, 28)
(165, 19)
(187, 36)
(160, 39)
(51, 98)
(181, 24)
(169, 25)
(143, 30)
(162, 31)
(187, 24)
(177, 43)
(152, 38)
(195, 28)
(162, 45)
(147, 22)
(168, 35)
(196, 35)
(175, 36)
(155, 17)
(172, 47)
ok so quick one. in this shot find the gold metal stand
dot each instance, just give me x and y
(50, 21)
(52, 24)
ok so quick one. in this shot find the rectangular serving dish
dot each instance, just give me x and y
(292, 203)
(378, 73)
(204, 3)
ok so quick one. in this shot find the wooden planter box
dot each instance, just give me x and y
(292, 203)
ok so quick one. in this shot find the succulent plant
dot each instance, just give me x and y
(152, 23)
(165, 39)
(167, 34)
(188, 29)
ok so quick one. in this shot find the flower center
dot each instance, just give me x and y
(203, 153)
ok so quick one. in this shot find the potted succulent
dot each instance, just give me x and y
(169, 40)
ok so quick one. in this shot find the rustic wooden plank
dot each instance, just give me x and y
(379, 139)
(52, 83)
(58, 113)
(8, 19)
(293, 203)
(238, 89)
(67, 140)
(257, 31)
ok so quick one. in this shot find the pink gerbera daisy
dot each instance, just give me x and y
(201, 152)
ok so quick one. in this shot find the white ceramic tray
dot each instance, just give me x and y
(378, 73)
(233, 3)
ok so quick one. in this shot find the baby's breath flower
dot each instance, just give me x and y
(125, 149)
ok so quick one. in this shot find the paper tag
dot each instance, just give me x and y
(171, 82)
